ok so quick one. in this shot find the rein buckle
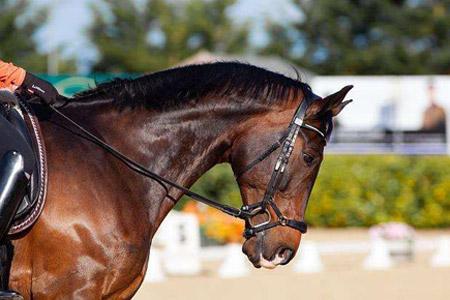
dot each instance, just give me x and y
(267, 221)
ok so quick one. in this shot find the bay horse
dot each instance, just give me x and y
(93, 238)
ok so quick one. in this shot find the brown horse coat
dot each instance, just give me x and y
(93, 238)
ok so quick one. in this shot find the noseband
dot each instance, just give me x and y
(247, 212)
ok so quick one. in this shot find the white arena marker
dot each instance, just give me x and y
(379, 257)
(441, 258)
(235, 264)
(155, 271)
(308, 260)
(180, 235)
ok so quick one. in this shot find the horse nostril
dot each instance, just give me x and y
(285, 254)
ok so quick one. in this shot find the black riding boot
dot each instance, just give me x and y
(13, 183)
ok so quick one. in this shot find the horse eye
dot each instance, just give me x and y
(308, 158)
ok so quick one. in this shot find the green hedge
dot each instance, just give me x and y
(363, 190)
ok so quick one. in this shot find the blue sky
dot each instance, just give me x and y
(67, 21)
(69, 18)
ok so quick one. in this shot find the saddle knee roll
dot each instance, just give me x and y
(12, 139)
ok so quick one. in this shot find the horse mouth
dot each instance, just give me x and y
(281, 257)
(269, 264)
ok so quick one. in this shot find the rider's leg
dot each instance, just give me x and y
(13, 183)
(13, 186)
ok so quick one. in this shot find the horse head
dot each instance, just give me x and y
(270, 243)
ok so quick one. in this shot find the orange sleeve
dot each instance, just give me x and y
(10, 75)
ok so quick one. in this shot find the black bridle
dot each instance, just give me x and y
(246, 212)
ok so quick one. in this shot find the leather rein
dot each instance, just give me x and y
(246, 212)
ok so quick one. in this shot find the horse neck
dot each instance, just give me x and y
(178, 145)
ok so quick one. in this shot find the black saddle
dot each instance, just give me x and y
(29, 139)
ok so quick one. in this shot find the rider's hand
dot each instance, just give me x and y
(41, 88)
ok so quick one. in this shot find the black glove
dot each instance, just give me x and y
(41, 88)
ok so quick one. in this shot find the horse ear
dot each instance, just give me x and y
(333, 103)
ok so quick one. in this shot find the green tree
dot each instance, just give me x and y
(369, 37)
(142, 37)
(17, 28)
(15, 35)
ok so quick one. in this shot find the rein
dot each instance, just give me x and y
(246, 212)
(140, 169)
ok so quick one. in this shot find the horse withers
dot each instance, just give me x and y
(93, 238)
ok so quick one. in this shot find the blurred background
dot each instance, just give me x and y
(380, 209)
